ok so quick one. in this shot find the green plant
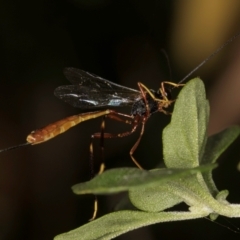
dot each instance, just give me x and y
(189, 157)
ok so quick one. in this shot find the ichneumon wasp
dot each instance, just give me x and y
(89, 91)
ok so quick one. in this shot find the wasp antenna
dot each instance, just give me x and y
(168, 62)
(14, 147)
(210, 56)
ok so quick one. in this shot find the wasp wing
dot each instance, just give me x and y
(80, 77)
(91, 91)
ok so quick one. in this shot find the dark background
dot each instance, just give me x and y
(121, 41)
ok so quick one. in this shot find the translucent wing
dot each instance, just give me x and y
(91, 91)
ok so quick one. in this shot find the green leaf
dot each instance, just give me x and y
(184, 138)
(117, 223)
(154, 199)
(218, 143)
(215, 146)
(124, 179)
